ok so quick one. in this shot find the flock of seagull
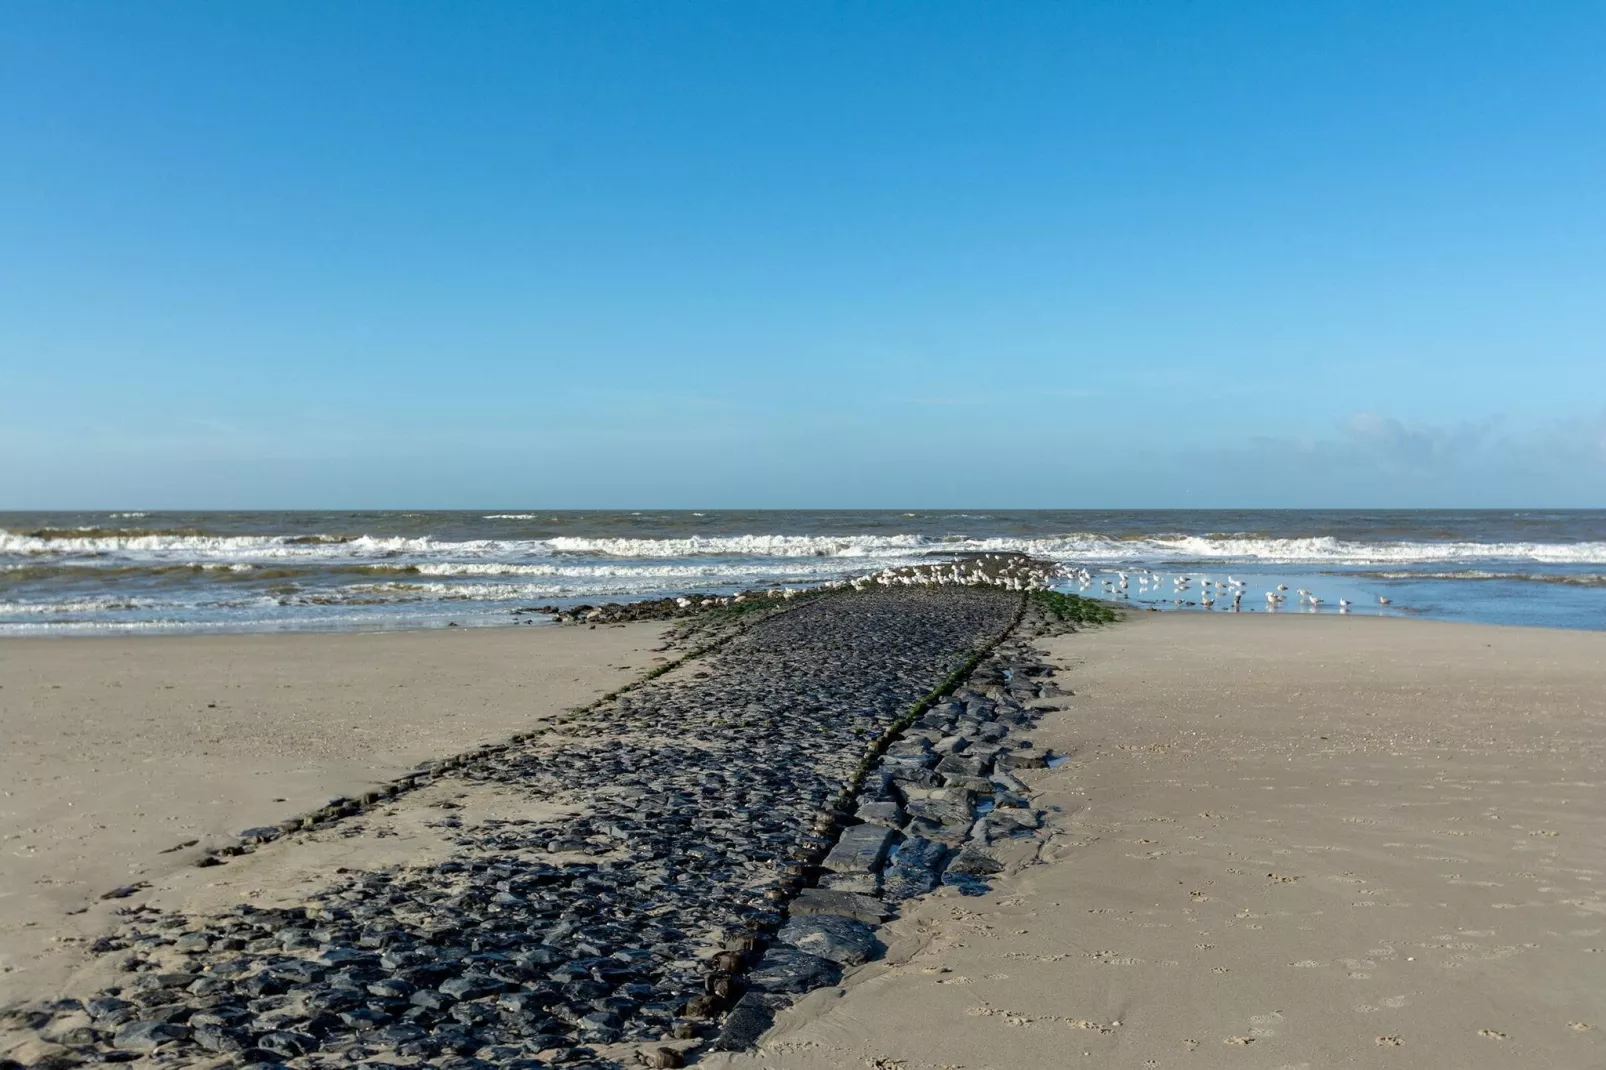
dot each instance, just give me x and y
(1210, 591)
(1019, 572)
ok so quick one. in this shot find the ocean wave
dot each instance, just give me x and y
(102, 542)
(511, 516)
(82, 605)
(733, 571)
(1236, 549)
(1169, 548)
(1585, 579)
(744, 546)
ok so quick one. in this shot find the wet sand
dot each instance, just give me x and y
(1284, 842)
(114, 750)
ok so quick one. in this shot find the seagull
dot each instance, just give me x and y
(1382, 601)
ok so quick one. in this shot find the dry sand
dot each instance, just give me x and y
(113, 750)
(1284, 842)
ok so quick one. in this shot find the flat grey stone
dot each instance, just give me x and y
(147, 1035)
(861, 849)
(1005, 823)
(848, 904)
(1011, 782)
(975, 862)
(831, 936)
(748, 1020)
(858, 883)
(785, 969)
(961, 765)
(952, 806)
(889, 814)
(915, 871)
(1013, 759)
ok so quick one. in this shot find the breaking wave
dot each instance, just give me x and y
(1573, 579)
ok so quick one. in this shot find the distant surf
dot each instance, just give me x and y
(154, 571)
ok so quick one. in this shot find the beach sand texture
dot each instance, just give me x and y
(1284, 842)
(117, 749)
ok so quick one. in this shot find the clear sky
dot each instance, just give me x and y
(705, 254)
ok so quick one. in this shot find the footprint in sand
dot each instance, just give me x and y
(1389, 1042)
(1492, 1034)
(1260, 1025)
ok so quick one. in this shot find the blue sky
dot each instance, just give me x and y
(1071, 254)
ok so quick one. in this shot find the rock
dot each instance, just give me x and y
(831, 936)
(948, 806)
(1007, 823)
(863, 908)
(147, 1035)
(470, 986)
(915, 871)
(1014, 759)
(748, 1020)
(108, 1010)
(787, 970)
(974, 861)
(889, 814)
(861, 849)
(960, 765)
(857, 883)
(286, 1045)
(216, 1039)
(192, 943)
(965, 883)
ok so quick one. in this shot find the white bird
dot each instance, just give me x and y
(1382, 601)
(1282, 586)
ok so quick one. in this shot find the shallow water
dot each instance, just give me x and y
(89, 573)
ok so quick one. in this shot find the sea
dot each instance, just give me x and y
(132, 572)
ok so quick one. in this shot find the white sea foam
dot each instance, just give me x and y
(1229, 549)
(733, 570)
(1090, 547)
(511, 516)
(744, 546)
(254, 547)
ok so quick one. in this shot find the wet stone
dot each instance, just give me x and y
(974, 861)
(889, 814)
(915, 871)
(752, 1016)
(859, 907)
(148, 1035)
(784, 969)
(861, 849)
(831, 936)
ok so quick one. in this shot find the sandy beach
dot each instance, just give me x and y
(1284, 842)
(118, 750)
